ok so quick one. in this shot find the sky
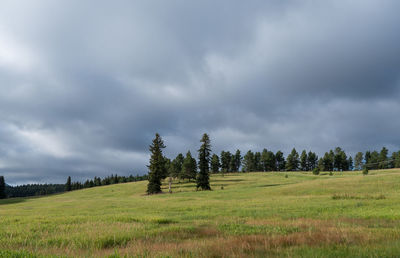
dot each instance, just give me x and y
(85, 85)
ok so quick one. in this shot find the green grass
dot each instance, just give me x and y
(254, 215)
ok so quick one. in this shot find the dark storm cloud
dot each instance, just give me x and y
(85, 85)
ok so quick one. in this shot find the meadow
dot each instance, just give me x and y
(275, 214)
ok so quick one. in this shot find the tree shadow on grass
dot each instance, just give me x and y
(12, 200)
(271, 185)
(228, 180)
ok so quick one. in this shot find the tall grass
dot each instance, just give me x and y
(255, 214)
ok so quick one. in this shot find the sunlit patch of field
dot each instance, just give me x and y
(246, 214)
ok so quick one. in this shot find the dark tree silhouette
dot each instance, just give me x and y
(203, 178)
(156, 167)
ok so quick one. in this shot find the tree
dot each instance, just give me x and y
(2, 188)
(280, 161)
(257, 161)
(340, 162)
(238, 160)
(358, 160)
(225, 161)
(248, 162)
(215, 165)
(312, 160)
(175, 167)
(68, 184)
(189, 167)
(367, 157)
(268, 161)
(373, 161)
(292, 161)
(396, 159)
(303, 161)
(203, 178)
(350, 163)
(383, 158)
(157, 165)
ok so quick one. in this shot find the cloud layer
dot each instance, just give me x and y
(84, 86)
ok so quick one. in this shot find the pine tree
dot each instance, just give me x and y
(383, 158)
(257, 161)
(189, 167)
(225, 161)
(358, 160)
(68, 185)
(157, 165)
(292, 161)
(215, 165)
(2, 188)
(203, 178)
(303, 161)
(312, 160)
(280, 161)
(350, 162)
(238, 160)
(248, 162)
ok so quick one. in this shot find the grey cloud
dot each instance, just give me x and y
(84, 85)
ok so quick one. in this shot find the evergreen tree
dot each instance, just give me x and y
(215, 165)
(383, 158)
(312, 160)
(68, 184)
(264, 160)
(248, 162)
(367, 157)
(257, 161)
(373, 160)
(225, 161)
(232, 164)
(280, 161)
(358, 160)
(292, 161)
(327, 161)
(203, 178)
(175, 167)
(157, 165)
(303, 161)
(350, 162)
(338, 159)
(189, 167)
(2, 188)
(268, 160)
(238, 160)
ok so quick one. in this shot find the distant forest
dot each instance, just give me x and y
(45, 189)
(185, 167)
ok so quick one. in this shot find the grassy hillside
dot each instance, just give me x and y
(253, 215)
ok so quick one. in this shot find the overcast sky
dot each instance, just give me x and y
(85, 85)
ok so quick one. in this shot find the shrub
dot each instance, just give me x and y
(315, 171)
(286, 176)
(365, 171)
(330, 173)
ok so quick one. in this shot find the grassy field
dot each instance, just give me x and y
(255, 214)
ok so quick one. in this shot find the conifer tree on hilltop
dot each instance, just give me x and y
(68, 186)
(292, 161)
(157, 168)
(203, 178)
(215, 165)
(2, 188)
(189, 167)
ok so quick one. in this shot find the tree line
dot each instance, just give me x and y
(188, 168)
(97, 181)
(7, 191)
